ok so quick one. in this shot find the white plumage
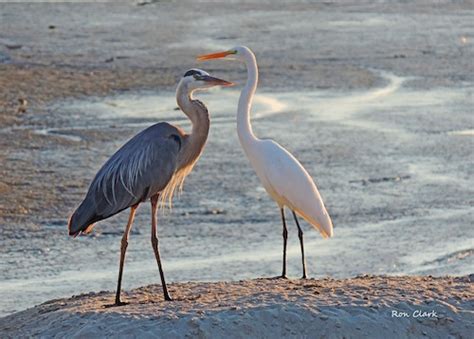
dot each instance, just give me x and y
(289, 184)
(281, 174)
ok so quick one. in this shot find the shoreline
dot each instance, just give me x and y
(367, 306)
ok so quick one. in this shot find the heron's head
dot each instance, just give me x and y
(239, 53)
(197, 79)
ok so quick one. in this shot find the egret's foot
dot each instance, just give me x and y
(168, 298)
(279, 277)
(117, 304)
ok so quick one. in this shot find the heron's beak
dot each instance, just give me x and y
(216, 81)
(217, 55)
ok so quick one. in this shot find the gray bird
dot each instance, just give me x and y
(151, 165)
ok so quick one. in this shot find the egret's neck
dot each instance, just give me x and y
(244, 127)
(197, 112)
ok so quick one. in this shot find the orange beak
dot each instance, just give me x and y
(217, 55)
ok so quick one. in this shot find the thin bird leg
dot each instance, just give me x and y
(300, 235)
(154, 243)
(285, 240)
(123, 249)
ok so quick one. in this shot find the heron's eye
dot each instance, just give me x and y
(197, 76)
(191, 72)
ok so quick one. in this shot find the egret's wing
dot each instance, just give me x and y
(290, 180)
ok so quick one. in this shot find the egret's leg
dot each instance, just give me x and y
(154, 243)
(300, 235)
(123, 249)
(285, 240)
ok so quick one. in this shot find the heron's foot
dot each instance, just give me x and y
(304, 277)
(168, 298)
(117, 304)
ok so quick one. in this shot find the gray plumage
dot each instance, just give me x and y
(138, 170)
(151, 166)
(155, 160)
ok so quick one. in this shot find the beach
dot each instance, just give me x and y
(374, 99)
(361, 307)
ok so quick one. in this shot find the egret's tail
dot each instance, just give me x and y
(82, 220)
(322, 223)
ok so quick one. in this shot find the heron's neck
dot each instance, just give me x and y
(197, 112)
(244, 127)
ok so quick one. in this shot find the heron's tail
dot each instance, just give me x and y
(82, 220)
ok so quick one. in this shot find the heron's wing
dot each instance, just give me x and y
(140, 168)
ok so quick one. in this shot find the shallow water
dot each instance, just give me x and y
(393, 165)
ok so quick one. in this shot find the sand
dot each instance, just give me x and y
(364, 306)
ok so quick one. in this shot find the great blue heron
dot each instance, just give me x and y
(151, 165)
(281, 174)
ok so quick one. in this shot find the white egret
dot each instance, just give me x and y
(281, 174)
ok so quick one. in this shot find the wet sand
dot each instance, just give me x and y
(44, 59)
(328, 50)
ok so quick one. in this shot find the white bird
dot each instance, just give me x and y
(281, 174)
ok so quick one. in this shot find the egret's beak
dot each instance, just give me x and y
(217, 55)
(216, 81)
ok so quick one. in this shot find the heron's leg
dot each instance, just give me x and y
(154, 243)
(123, 249)
(300, 235)
(285, 240)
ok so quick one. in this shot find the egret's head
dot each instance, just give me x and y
(197, 79)
(240, 53)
